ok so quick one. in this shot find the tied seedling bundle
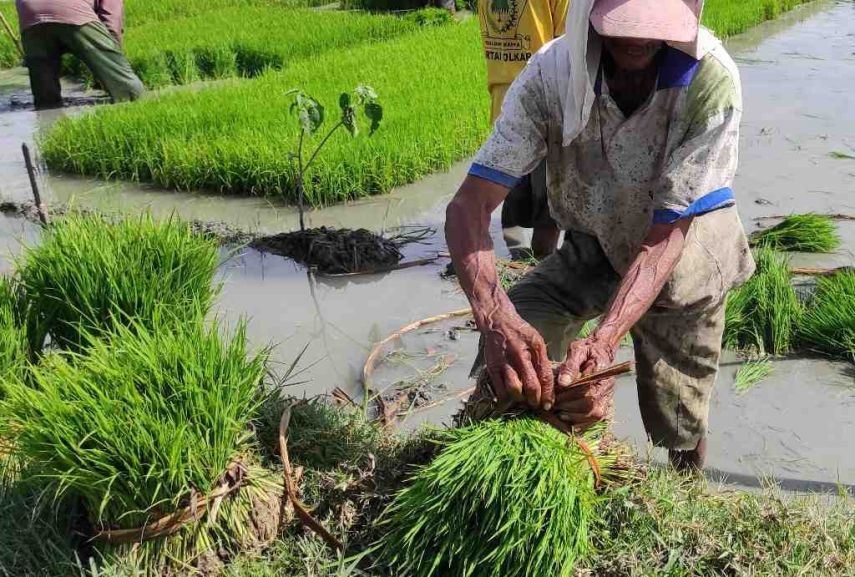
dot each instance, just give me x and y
(150, 432)
(89, 275)
(14, 349)
(503, 497)
(828, 325)
(800, 233)
(764, 313)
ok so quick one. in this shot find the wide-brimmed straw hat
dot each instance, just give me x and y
(669, 20)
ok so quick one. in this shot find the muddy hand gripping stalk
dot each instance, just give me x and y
(310, 115)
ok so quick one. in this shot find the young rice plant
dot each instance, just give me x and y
(800, 232)
(89, 275)
(137, 424)
(14, 348)
(502, 498)
(751, 373)
(764, 313)
(828, 325)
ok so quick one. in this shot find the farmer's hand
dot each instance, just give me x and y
(586, 404)
(516, 359)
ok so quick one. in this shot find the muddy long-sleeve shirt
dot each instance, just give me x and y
(78, 12)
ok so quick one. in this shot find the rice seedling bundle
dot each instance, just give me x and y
(235, 138)
(800, 232)
(502, 497)
(90, 275)
(751, 373)
(764, 313)
(245, 41)
(145, 425)
(14, 349)
(828, 325)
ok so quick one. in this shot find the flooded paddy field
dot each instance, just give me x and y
(798, 76)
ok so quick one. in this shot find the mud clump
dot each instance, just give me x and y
(334, 251)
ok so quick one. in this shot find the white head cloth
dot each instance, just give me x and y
(585, 48)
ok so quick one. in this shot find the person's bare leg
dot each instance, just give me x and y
(544, 240)
(689, 461)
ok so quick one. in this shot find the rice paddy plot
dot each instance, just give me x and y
(729, 17)
(140, 12)
(234, 139)
(245, 41)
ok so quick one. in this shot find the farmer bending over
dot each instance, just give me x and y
(90, 30)
(636, 110)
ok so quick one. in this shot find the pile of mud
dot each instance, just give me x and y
(334, 251)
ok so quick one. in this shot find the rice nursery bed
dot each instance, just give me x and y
(246, 41)
(236, 138)
(141, 12)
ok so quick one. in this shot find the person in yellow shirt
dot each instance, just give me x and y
(512, 31)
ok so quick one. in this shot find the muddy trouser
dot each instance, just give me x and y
(526, 206)
(92, 43)
(676, 351)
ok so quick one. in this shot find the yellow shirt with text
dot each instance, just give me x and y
(513, 30)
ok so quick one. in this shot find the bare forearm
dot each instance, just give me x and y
(467, 231)
(644, 280)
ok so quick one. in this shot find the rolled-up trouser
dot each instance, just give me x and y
(92, 43)
(676, 350)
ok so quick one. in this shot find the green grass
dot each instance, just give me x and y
(245, 41)
(800, 233)
(133, 426)
(502, 498)
(751, 373)
(729, 17)
(763, 314)
(666, 526)
(235, 139)
(88, 274)
(828, 325)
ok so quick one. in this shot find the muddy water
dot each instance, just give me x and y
(798, 76)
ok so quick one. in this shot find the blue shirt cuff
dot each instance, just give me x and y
(721, 198)
(493, 175)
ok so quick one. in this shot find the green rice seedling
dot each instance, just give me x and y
(828, 325)
(502, 498)
(751, 373)
(231, 138)
(89, 274)
(729, 17)
(269, 38)
(763, 314)
(142, 422)
(14, 348)
(800, 233)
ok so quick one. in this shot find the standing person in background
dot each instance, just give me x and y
(91, 30)
(513, 30)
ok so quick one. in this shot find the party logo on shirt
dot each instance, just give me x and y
(501, 21)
